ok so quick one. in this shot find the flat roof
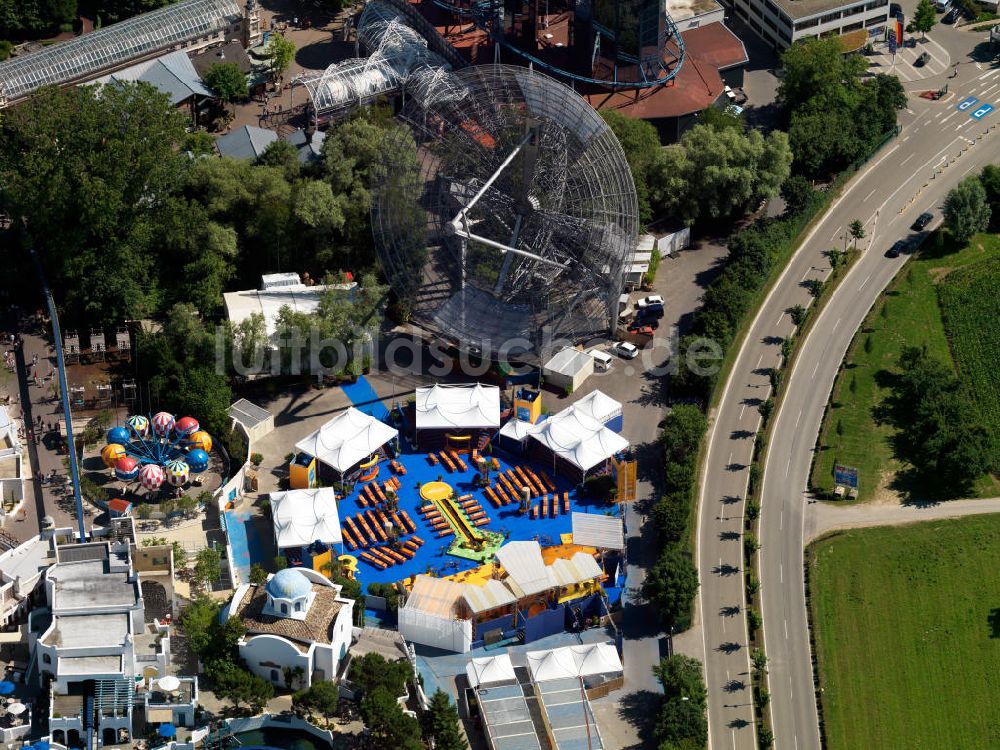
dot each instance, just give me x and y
(89, 631)
(681, 10)
(89, 665)
(796, 9)
(88, 584)
(27, 560)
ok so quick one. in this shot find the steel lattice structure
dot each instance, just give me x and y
(517, 216)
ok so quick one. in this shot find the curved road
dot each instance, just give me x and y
(937, 140)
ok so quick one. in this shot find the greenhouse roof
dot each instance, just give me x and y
(115, 45)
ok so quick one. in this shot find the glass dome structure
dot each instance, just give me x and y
(506, 212)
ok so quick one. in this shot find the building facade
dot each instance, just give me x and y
(782, 22)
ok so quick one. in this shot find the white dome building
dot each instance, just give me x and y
(296, 621)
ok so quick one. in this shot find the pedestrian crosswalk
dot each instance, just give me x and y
(904, 63)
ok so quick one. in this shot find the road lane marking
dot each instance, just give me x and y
(869, 195)
(986, 91)
(788, 466)
(778, 321)
(781, 573)
(939, 114)
(836, 233)
(730, 462)
(987, 74)
(742, 409)
(867, 278)
(906, 160)
(836, 324)
(806, 274)
(811, 377)
(798, 418)
(781, 520)
(786, 630)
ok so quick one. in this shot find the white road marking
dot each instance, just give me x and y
(836, 324)
(939, 114)
(743, 409)
(949, 117)
(864, 282)
(786, 629)
(761, 359)
(797, 419)
(986, 91)
(781, 520)
(974, 166)
(730, 461)
(780, 316)
(836, 234)
(814, 371)
(906, 139)
(964, 124)
(907, 159)
(987, 74)
(805, 275)
(870, 195)
(781, 573)
(788, 465)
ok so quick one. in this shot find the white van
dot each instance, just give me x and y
(602, 360)
(942, 5)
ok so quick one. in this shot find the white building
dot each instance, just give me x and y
(781, 22)
(568, 368)
(297, 621)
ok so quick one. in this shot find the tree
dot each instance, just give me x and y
(199, 621)
(966, 210)
(389, 726)
(990, 178)
(282, 53)
(257, 574)
(238, 685)
(641, 145)
(144, 511)
(227, 82)
(321, 697)
(207, 567)
(283, 155)
(440, 723)
(681, 724)
(857, 231)
(816, 67)
(723, 172)
(186, 504)
(924, 17)
(373, 670)
(681, 677)
(180, 556)
(670, 586)
(796, 192)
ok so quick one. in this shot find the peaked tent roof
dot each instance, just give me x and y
(461, 406)
(490, 595)
(568, 361)
(302, 517)
(573, 661)
(598, 405)
(434, 596)
(348, 438)
(527, 572)
(516, 429)
(490, 670)
(579, 438)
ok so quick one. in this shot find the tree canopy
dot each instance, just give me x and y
(924, 17)
(373, 670)
(641, 145)
(671, 585)
(282, 53)
(227, 81)
(966, 209)
(441, 725)
(389, 726)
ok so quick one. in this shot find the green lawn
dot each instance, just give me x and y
(907, 314)
(907, 635)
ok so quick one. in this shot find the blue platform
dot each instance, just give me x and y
(364, 398)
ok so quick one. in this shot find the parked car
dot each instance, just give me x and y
(922, 221)
(922, 60)
(951, 16)
(650, 301)
(640, 329)
(625, 350)
(650, 312)
(648, 317)
(898, 247)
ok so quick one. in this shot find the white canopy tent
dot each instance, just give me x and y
(578, 438)
(527, 572)
(568, 367)
(490, 670)
(597, 530)
(348, 438)
(599, 406)
(458, 406)
(302, 517)
(574, 661)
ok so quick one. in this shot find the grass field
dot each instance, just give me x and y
(970, 308)
(907, 627)
(909, 314)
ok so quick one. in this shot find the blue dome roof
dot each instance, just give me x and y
(288, 584)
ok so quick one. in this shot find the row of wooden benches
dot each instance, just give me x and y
(449, 459)
(373, 495)
(373, 523)
(440, 525)
(397, 467)
(384, 557)
(550, 507)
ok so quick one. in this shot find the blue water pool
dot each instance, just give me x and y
(278, 739)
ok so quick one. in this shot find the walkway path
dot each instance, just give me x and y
(825, 517)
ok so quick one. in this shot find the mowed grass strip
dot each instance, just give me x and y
(907, 642)
(907, 314)
(970, 308)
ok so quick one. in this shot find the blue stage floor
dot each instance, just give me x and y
(364, 398)
(431, 557)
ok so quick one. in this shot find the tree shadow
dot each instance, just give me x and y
(729, 536)
(730, 499)
(735, 467)
(772, 340)
(752, 401)
(729, 647)
(731, 611)
(639, 709)
(740, 434)
(725, 570)
(734, 686)
(994, 621)
(983, 52)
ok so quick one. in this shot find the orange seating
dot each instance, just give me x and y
(347, 538)
(362, 500)
(411, 545)
(373, 561)
(554, 511)
(364, 525)
(492, 497)
(432, 458)
(394, 555)
(534, 512)
(376, 525)
(481, 522)
(565, 502)
(380, 554)
(407, 552)
(411, 527)
(417, 539)
(541, 508)
(548, 482)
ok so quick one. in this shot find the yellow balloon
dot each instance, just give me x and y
(201, 439)
(111, 453)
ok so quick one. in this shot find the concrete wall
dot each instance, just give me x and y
(267, 655)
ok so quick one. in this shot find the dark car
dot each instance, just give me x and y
(922, 221)
(922, 60)
(896, 249)
(951, 16)
(644, 318)
(652, 312)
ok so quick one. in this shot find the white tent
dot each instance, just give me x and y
(598, 530)
(600, 406)
(578, 438)
(516, 430)
(490, 670)
(302, 517)
(431, 615)
(458, 406)
(527, 572)
(348, 438)
(574, 661)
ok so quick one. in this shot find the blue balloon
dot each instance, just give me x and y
(119, 435)
(197, 460)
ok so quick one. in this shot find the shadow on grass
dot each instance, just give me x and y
(994, 621)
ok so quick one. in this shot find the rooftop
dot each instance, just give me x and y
(90, 585)
(681, 10)
(315, 628)
(796, 9)
(173, 74)
(27, 560)
(89, 665)
(114, 45)
(247, 142)
(302, 517)
(89, 631)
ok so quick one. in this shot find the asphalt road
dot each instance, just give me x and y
(937, 140)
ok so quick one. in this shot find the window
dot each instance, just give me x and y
(756, 26)
(785, 35)
(851, 27)
(771, 24)
(806, 24)
(835, 16)
(740, 11)
(876, 21)
(284, 609)
(298, 606)
(854, 11)
(46, 659)
(771, 7)
(877, 5)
